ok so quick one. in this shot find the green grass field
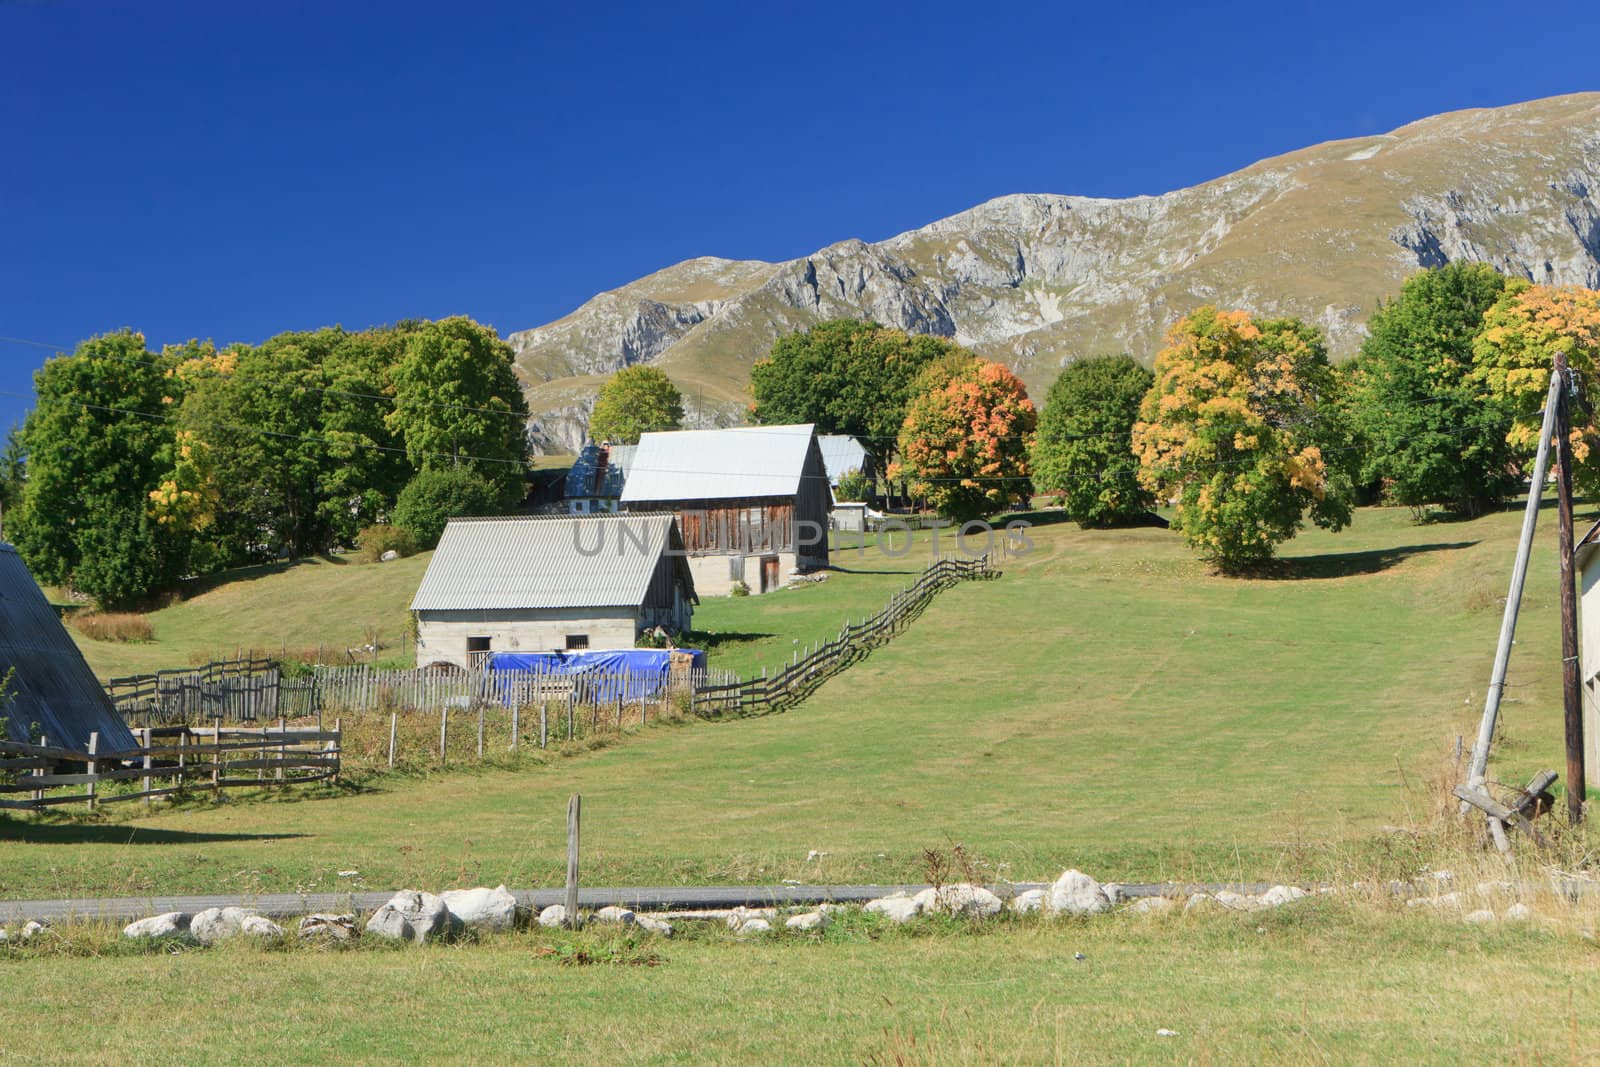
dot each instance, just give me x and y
(1316, 983)
(1106, 704)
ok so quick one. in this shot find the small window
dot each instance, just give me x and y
(577, 641)
(477, 651)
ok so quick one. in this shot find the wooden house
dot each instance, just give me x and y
(752, 501)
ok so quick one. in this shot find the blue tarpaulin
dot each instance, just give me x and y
(633, 673)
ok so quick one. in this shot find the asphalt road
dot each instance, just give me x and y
(638, 898)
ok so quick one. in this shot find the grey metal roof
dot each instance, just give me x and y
(840, 453)
(567, 561)
(581, 478)
(743, 461)
(53, 685)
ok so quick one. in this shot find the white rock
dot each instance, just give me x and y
(960, 898)
(1030, 901)
(33, 929)
(1444, 900)
(4, 936)
(897, 907)
(328, 925)
(1201, 902)
(1164, 1032)
(1075, 893)
(554, 915)
(737, 917)
(615, 915)
(260, 926)
(217, 924)
(388, 556)
(1482, 915)
(1235, 901)
(493, 909)
(173, 924)
(811, 920)
(815, 855)
(1151, 905)
(411, 915)
(1279, 895)
(1518, 913)
(1114, 891)
(652, 924)
(750, 927)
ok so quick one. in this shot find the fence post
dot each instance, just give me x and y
(216, 754)
(570, 697)
(480, 729)
(394, 719)
(544, 722)
(444, 719)
(574, 810)
(94, 765)
(145, 783)
(283, 745)
(516, 722)
(338, 746)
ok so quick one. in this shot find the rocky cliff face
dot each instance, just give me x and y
(1038, 280)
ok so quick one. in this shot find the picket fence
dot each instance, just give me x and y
(198, 759)
(247, 689)
(795, 681)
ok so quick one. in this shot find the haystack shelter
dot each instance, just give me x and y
(752, 501)
(51, 693)
(543, 584)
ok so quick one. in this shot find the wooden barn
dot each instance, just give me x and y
(545, 584)
(52, 693)
(752, 501)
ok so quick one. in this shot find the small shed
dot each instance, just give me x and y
(52, 692)
(752, 501)
(594, 484)
(842, 453)
(1586, 555)
(557, 583)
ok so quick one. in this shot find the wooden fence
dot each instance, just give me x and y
(195, 759)
(237, 690)
(795, 681)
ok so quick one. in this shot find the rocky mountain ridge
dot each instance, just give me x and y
(1037, 280)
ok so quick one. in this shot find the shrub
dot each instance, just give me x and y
(124, 626)
(738, 589)
(1084, 450)
(853, 486)
(437, 495)
(374, 541)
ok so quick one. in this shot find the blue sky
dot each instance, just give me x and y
(231, 170)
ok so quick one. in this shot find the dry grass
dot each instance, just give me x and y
(121, 626)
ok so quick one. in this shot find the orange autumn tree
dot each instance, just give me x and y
(1515, 352)
(1239, 431)
(965, 440)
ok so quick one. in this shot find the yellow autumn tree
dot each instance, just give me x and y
(1516, 350)
(1240, 432)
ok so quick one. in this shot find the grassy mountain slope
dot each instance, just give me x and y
(1037, 280)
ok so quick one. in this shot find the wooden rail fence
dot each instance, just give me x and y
(238, 690)
(197, 759)
(795, 681)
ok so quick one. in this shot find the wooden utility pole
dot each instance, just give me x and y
(1572, 697)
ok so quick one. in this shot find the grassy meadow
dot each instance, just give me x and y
(1106, 704)
(1315, 983)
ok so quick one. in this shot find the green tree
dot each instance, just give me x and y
(965, 440)
(457, 403)
(853, 486)
(437, 495)
(1430, 433)
(1515, 353)
(1084, 449)
(846, 377)
(1242, 428)
(97, 441)
(633, 401)
(13, 471)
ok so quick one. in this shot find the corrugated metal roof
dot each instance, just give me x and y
(743, 461)
(840, 453)
(581, 478)
(53, 685)
(568, 561)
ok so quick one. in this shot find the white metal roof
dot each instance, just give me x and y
(567, 561)
(742, 461)
(840, 453)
